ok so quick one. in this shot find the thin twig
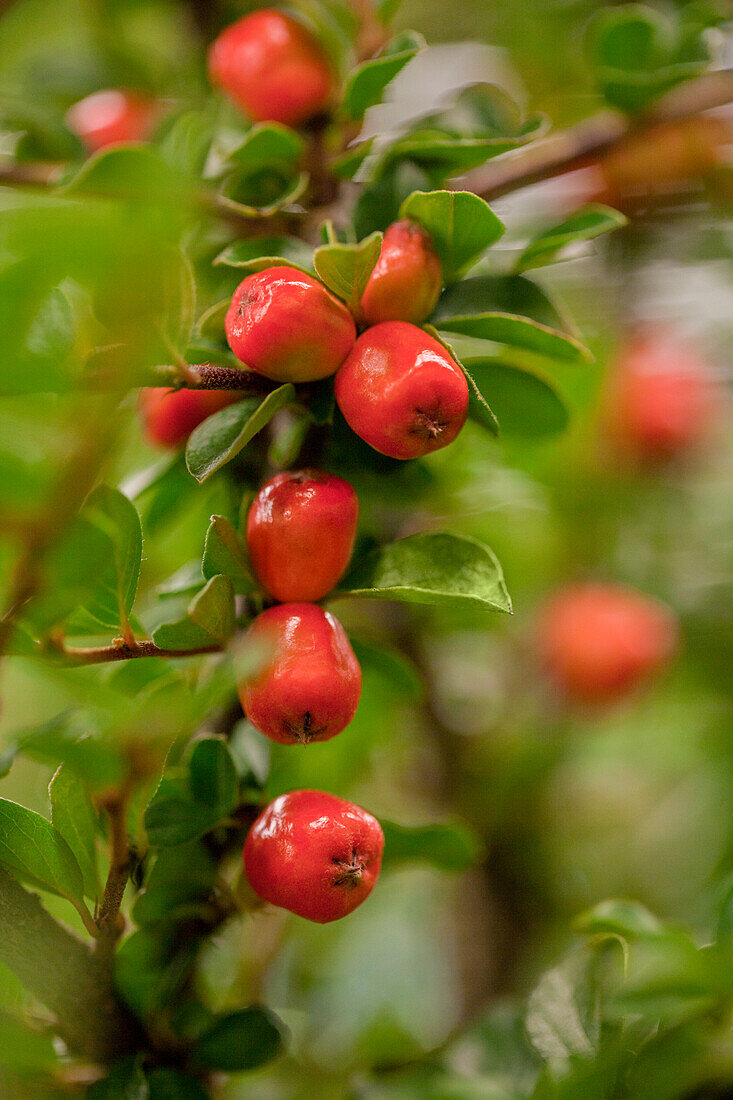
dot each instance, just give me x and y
(566, 149)
(107, 917)
(100, 655)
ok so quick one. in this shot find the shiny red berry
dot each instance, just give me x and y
(271, 66)
(112, 117)
(285, 325)
(599, 641)
(300, 533)
(314, 854)
(310, 687)
(169, 416)
(401, 391)
(661, 401)
(406, 282)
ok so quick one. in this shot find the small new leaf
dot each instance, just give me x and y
(345, 268)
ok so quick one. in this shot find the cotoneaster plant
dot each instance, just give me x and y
(354, 320)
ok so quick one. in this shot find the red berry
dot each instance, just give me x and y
(314, 854)
(170, 416)
(407, 279)
(310, 687)
(661, 401)
(300, 533)
(401, 391)
(286, 325)
(599, 641)
(112, 117)
(272, 67)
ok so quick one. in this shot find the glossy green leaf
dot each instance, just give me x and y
(450, 847)
(515, 294)
(240, 1041)
(254, 194)
(220, 438)
(461, 225)
(74, 818)
(519, 332)
(584, 225)
(224, 552)
(209, 621)
(32, 849)
(368, 81)
(345, 268)
(259, 253)
(213, 775)
(114, 594)
(525, 402)
(435, 568)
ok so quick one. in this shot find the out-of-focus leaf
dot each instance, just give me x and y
(435, 568)
(172, 1084)
(519, 332)
(72, 572)
(367, 82)
(268, 144)
(42, 136)
(460, 224)
(396, 670)
(450, 847)
(224, 552)
(220, 438)
(209, 621)
(185, 808)
(240, 1041)
(125, 1081)
(24, 1048)
(182, 878)
(72, 815)
(525, 402)
(583, 225)
(563, 1017)
(213, 775)
(66, 738)
(32, 849)
(345, 268)
(629, 919)
(261, 193)
(114, 594)
(186, 143)
(259, 253)
(135, 172)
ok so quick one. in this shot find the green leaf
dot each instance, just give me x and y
(182, 878)
(135, 172)
(42, 136)
(213, 775)
(186, 143)
(125, 1081)
(114, 594)
(563, 1018)
(210, 619)
(438, 152)
(525, 402)
(71, 573)
(368, 81)
(345, 268)
(628, 919)
(479, 409)
(515, 294)
(261, 193)
(448, 847)
(185, 808)
(240, 1041)
(220, 438)
(460, 224)
(225, 553)
(23, 1047)
(519, 332)
(268, 144)
(584, 225)
(436, 568)
(259, 253)
(32, 849)
(73, 816)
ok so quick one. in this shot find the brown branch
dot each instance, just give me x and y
(108, 914)
(567, 149)
(100, 655)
